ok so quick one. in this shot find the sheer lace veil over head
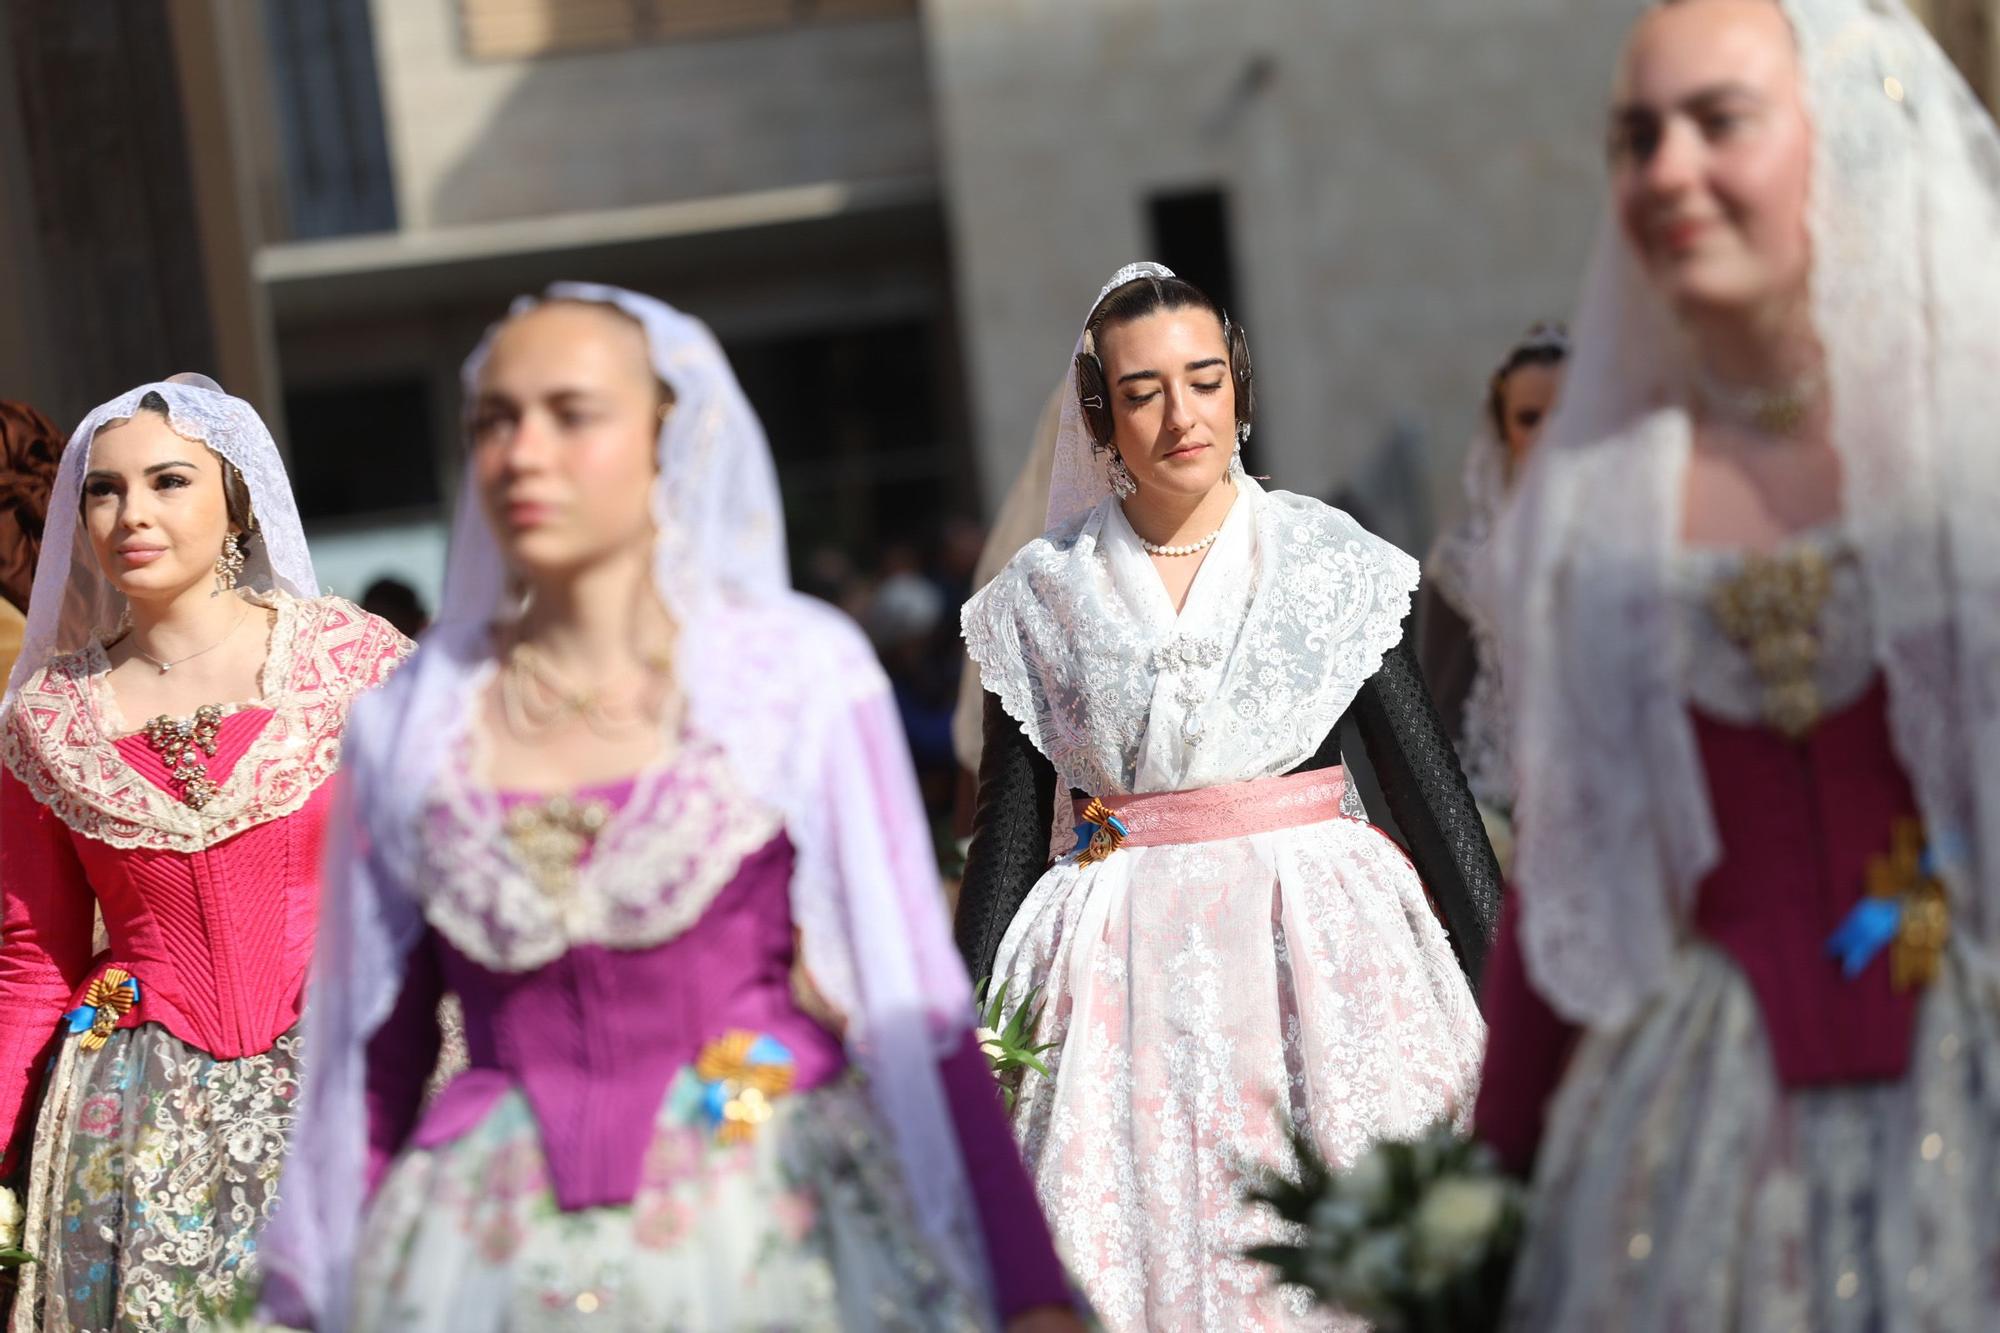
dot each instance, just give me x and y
(1078, 480)
(73, 600)
(791, 694)
(1460, 551)
(1904, 217)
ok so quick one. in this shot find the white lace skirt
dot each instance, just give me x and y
(1681, 1187)
(1203, 995)
(154, 1167)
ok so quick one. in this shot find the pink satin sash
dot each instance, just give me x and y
(1210, 814)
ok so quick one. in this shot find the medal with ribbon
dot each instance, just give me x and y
(1100, 834)
(734, 1081)
(1905, 911)
(110, 997)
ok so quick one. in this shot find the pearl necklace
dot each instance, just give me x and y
(1188, 548)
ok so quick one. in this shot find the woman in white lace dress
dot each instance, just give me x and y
(1752, 647)
(1222, 945)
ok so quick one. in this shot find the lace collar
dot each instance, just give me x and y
(1290, 615)
(60, 737)
(655, 862)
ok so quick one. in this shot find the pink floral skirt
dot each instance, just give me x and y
(806, 1226)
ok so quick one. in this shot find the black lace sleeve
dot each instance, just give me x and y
(1418, 769)
(1010, 838)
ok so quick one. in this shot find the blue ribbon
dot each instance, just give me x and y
(81, 1017)
(768, 1050)
(1867, 931)
(713, 1098)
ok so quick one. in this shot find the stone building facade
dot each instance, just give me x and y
(892, 211)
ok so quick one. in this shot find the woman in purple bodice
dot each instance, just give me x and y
(648, 814)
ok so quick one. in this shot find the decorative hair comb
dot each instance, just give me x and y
(1546, 336)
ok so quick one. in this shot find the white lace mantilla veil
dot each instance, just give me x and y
(771, 676)
(1077, 479)
(1462, 551)
(72, 600)
(1616, 830)
(1457, 568)
(1070, 635)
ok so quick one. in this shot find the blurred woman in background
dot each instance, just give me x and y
(650, 815)
(1744, 1015)
(1457, 644)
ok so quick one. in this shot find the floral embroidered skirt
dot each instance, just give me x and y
(1681, 1186)
(1201, 996)
(154, 1165)
(806, 1226)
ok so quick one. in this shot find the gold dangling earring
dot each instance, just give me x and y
(229, 565)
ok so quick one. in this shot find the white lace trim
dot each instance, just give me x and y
(1289, 616)
(1616, 830)
(59, 738)
(1485, 751)
(674, 844)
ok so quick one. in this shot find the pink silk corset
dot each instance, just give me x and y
(219, 939)
(217, 927)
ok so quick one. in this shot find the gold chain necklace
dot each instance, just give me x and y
(165, 666)
(536, 699)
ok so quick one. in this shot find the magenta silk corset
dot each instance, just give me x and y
(594, 1038)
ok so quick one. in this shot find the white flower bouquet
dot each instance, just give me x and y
(1417, 1236)
(11, 1217)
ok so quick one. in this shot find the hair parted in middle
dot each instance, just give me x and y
(1135, 300)
(235, 491)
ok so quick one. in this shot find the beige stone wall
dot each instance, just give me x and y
(476, 141)
(1412, 185)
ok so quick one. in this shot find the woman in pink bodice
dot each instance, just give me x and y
(169, 732)
(1744, 1027)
